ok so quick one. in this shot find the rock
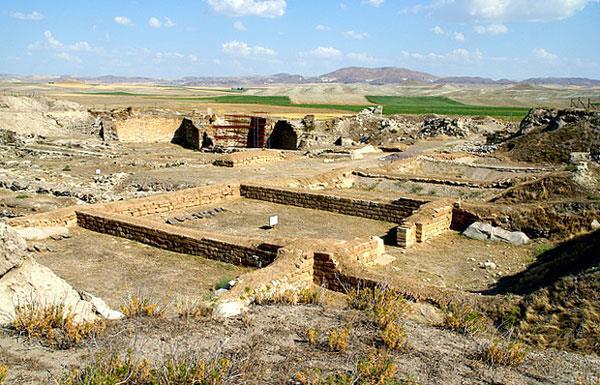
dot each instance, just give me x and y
(41, 233)
(345, 142)
(220, 292)
(228, 309)
(484, 231)
(13, 251)
(595, 225)
(488, 265)
(101, 307)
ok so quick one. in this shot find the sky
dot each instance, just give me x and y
(514, 39)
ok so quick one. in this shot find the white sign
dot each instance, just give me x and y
(273, 220)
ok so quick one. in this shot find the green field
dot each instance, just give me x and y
(443, 106)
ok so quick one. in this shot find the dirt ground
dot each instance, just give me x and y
(112, 268)
(269, 344)
(247, 217)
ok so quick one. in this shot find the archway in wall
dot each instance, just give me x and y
(283, 137)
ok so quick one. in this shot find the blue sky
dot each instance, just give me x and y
(512, 39)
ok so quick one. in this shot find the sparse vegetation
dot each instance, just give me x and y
(503, 353)
(54, 325)
(113, 369)
(312, 336)
(416, 189)
(382, 305)
(141, 305)
(67, 168)
(3, 373)
(192, 309)
(393, 336)
(305, 296)
(462, 318)
(337, 339)
(22, 196)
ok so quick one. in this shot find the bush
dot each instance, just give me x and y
(191, 309)
(306, 296)
(312, 336)
(464, 319)
(3, 373)
(504, 353)
(382, 305)
(55, 325)
(337, 339)
(141, 305)
(394, 336)
(113, 369)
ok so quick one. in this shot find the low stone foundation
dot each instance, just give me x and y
(247, 158)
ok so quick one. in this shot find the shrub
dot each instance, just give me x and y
(141, 305)
(337, 339)
(113, 369)
(3, 373)
(415, 189)
(306, 296)
(55, 325)
(464, 319)
(382, 305)
(375, 369)
(312, 336)
(67, 168)
(191, 309)
(22, 196)
(504, 353)
(393, 336)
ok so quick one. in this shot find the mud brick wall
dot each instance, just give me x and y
(164, 203)
(60, 217)
(431, 220)
(394, 212)
(147, 129)
(175, 239)
(248, 157)
(328, 274)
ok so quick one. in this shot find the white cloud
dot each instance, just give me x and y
(52, 41)
(458, 36)
(240, 48)
(321, 28)
(362, 57)
(543, 53)
(438, 30)
(81, 46)
(35, 16)
(153, 22)
(356, 35)
(68, 58)
(324, 53)
(506, 10)
(262, 8)
(491, 29)
(373, 3)
(458, 55)
(169, 23)
(239, 26)
(123, 20)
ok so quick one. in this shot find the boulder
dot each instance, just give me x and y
(24, 282)
(12, 249)
(228, 309)
(484, 231)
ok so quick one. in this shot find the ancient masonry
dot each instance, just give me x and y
(285, 263)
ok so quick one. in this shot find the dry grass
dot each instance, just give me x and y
(192, 309)
(113, 369)
(394, 336)
(337, 339)
(306, 296)
(312, 336)
(3, 373)
(54, 325)
(382, 305)
(377, 368)
(503, 353)
(464, 319)
(141, 305)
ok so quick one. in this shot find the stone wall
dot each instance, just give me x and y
(245, 158)
(177, 239)
(163, 203)
(431, 220)
(394, 212)
(147, 129)
(59, 217)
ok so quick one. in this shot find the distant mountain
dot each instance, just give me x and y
(383, 75)
(473, 80)
(375, 76)
(584, 82)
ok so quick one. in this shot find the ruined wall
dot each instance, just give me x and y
(431, 220)
(175, 238)
(394, 212)
(59, 217)
(188, 135)
(248, 157)
(147, 129)
(163, 203)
